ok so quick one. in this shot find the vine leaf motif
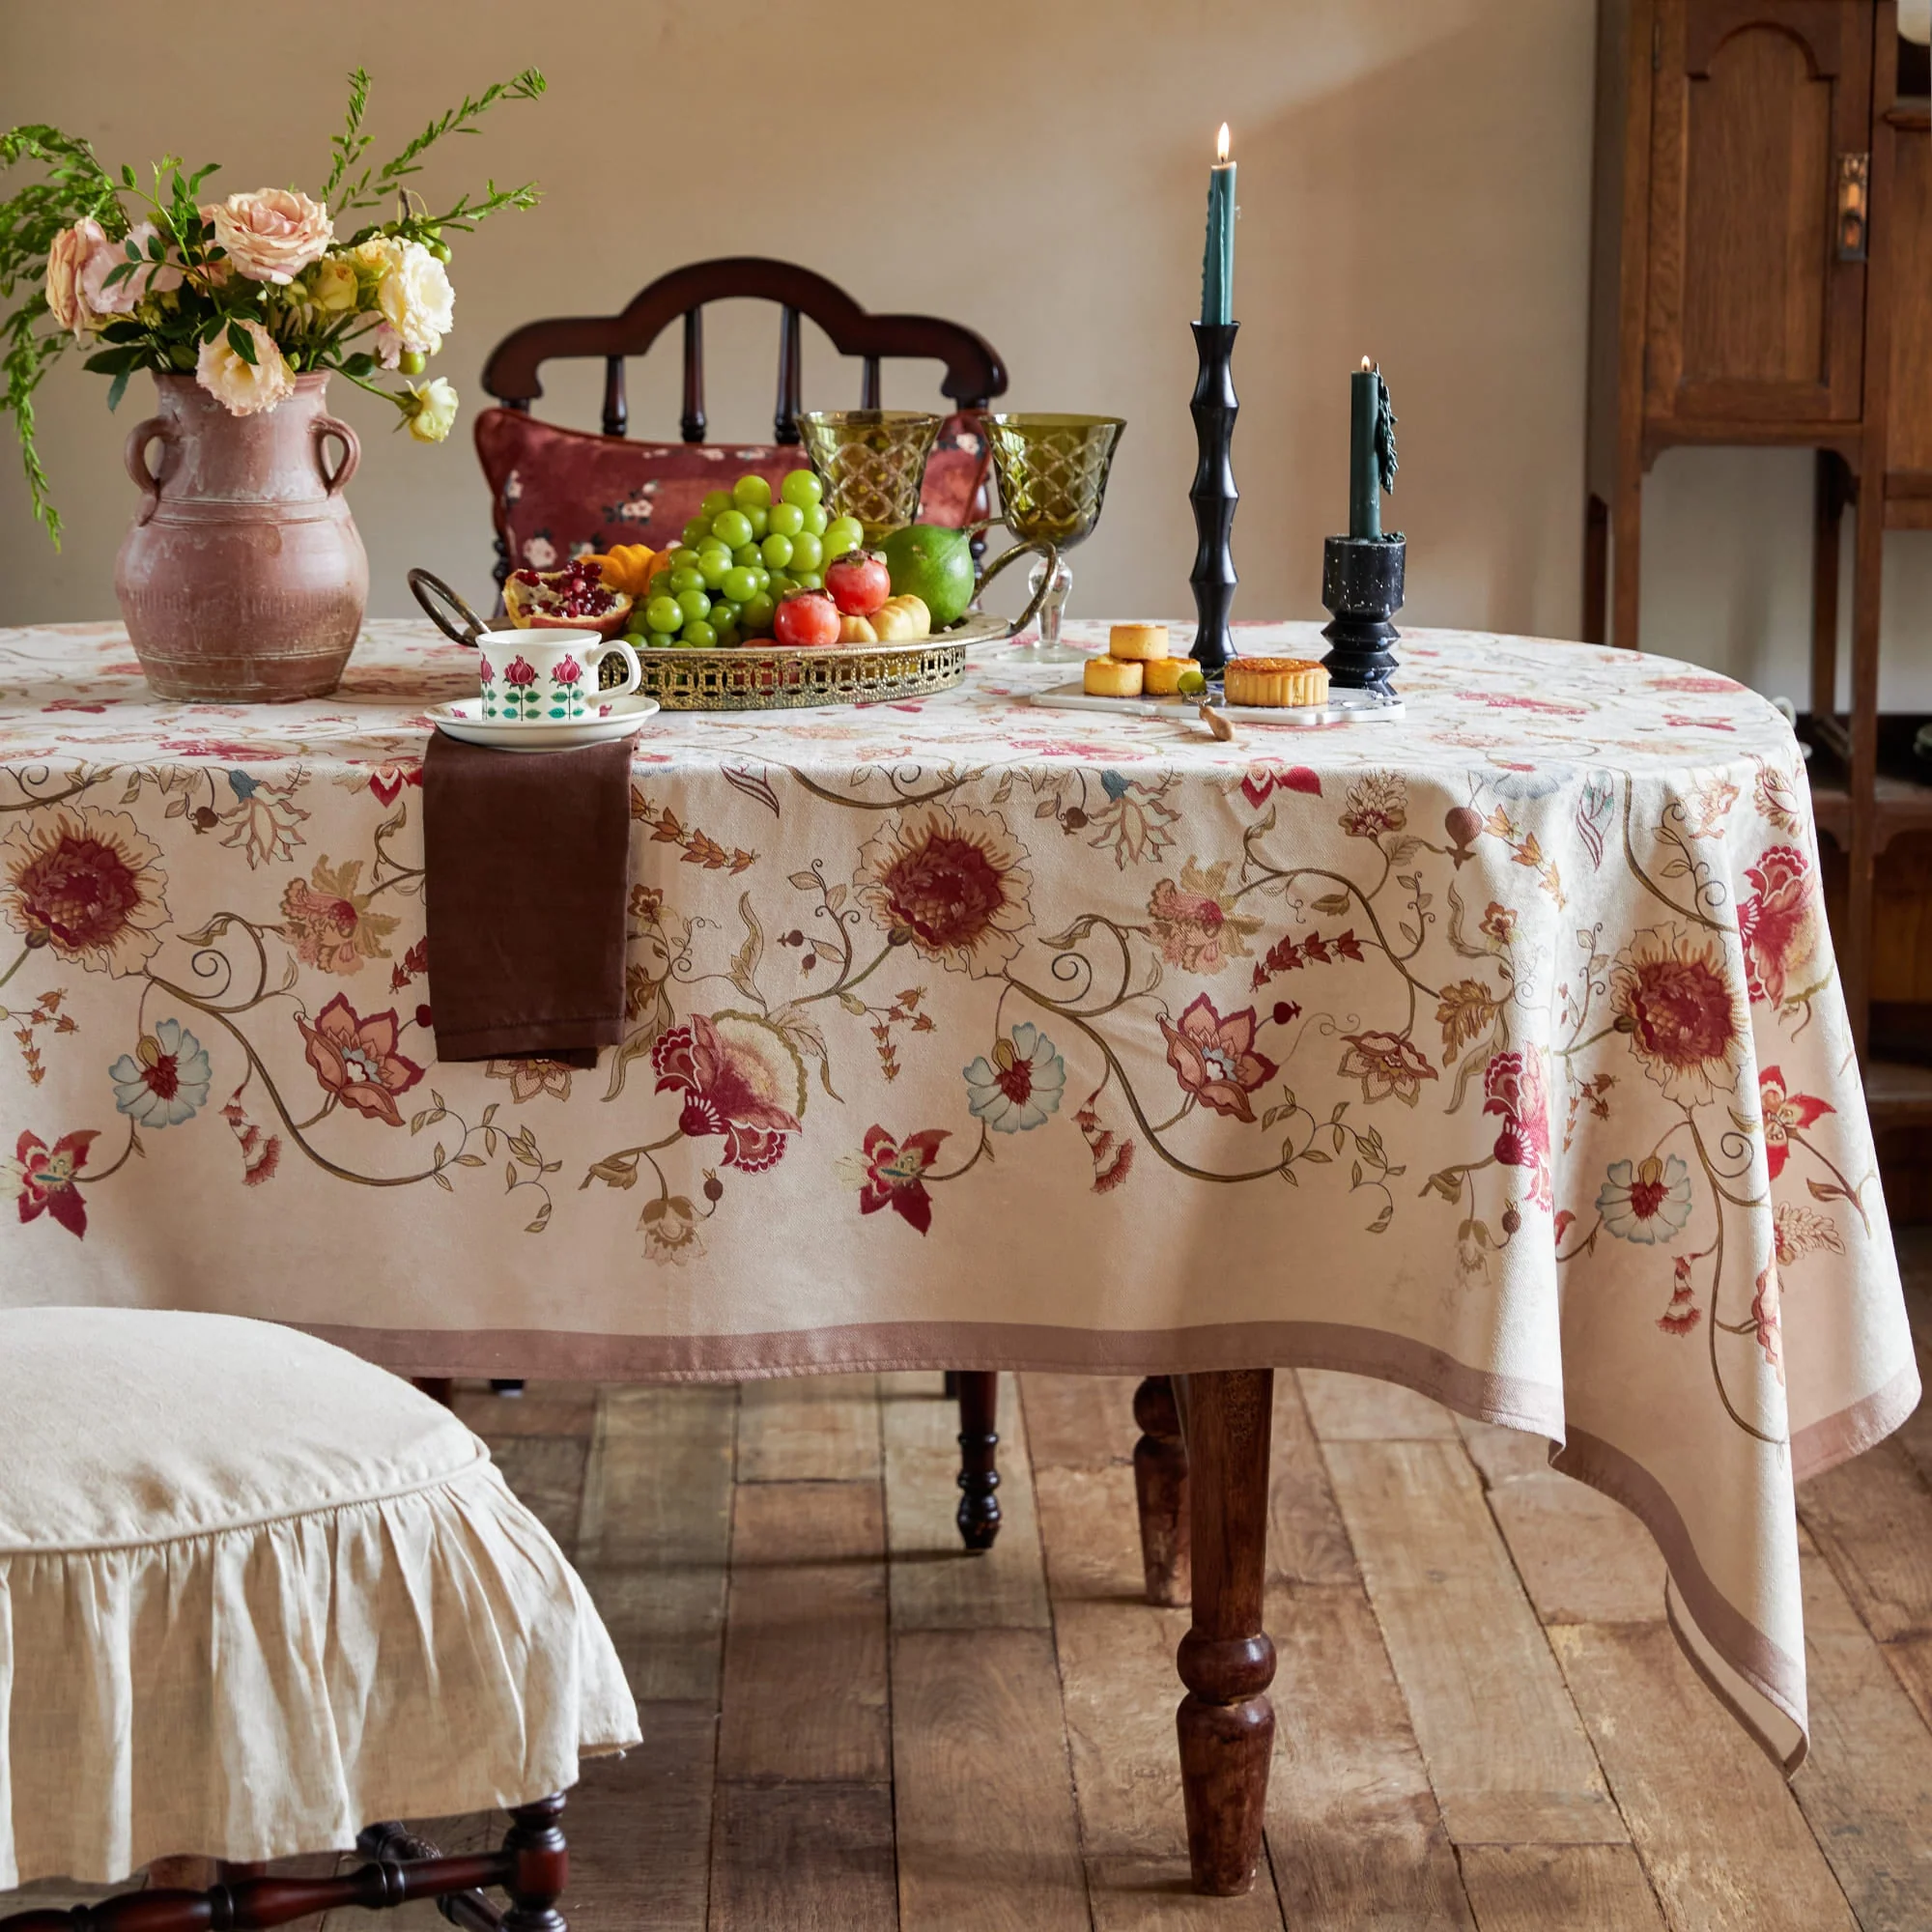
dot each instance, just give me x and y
(807, 1036)
(744, 972)
(753, 785)
(618, 1170)
(1593, 814)
(699, 847)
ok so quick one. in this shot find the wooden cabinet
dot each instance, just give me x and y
(1761, 273)
(1752, 314)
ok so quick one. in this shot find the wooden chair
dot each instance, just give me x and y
(974, 376)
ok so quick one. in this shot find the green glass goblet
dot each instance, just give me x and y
(871, 461)
(1052, 472)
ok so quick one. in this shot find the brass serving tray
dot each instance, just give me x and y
(771, 678)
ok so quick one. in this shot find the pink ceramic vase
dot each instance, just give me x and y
(242, 577)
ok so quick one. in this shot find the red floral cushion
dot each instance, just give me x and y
(558, 492)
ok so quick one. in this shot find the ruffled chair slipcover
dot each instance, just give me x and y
(256, 1594)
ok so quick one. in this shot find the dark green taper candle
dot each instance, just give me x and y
(1365, 491)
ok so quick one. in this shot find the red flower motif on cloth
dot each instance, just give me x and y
(1708, 686)
(330, 923)
(1673, 995)
(1515, 1085)
(1377, 803)
(949, 882)
(737, 1072)
(1195, 920)
(1778, 922)
(260, 1153)
(1765, 1319)
(1784, 1112)
(42, 1179)
(1271, 776)
(894, 1173)
(519, 670)
(1386, 1065)
(1214, 1059)
(388, 782)
(83, 883)
(568, 671)
(357, 1061)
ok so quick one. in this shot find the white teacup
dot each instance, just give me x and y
(548, 678)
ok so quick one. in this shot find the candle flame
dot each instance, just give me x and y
(1367, 366)
(1221, 145)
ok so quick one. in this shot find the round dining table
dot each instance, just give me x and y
(1495, 1048)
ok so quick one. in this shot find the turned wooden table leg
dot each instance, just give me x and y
(535, 1841)
(1160, 1485)
(1227, 1661)
(978, 1517)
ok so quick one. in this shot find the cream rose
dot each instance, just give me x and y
(150, 278)
(67, 267)
(243, 389)
(416, 298)
(273, 235)
(431, 409)
(333, 286)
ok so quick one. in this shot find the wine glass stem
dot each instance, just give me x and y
(1052, 604)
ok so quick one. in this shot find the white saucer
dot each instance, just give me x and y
(463, 720)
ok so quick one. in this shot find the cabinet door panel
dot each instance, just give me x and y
(1908, 241)
(1752, 315)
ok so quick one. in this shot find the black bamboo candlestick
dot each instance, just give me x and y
(1213, 494)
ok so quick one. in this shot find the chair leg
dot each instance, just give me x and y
(978, 1517)
(542, 1868)
(1160, 1487)
(1596, 569)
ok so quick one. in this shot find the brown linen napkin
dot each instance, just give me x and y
(528, 875)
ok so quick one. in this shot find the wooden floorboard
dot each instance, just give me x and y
(1483, 1725)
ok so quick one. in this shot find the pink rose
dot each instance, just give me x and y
(273, 235)
(150, 278)
(66, 264)
(519, 670)
(568, 671)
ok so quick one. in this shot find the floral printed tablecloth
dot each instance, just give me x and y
(1498, 1050)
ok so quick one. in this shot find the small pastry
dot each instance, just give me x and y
(1275, 682)
(856, 631)
(1110, 677)
(1163, 675)
(1137, 643)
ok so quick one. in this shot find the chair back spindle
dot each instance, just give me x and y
(791, 377)
(692, 422)
(617, 408)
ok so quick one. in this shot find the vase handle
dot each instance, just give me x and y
(337, 480)
(156, 429)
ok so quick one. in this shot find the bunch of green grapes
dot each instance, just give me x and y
(738, 556)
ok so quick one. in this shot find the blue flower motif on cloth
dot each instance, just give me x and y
(1115, 785)
(1646, 1200)
(1020, 1085)
(164, 1081)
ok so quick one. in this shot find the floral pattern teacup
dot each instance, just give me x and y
(546, 677)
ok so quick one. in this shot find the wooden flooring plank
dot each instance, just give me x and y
(1080, 1422)
(1090, 1535)
(805, 1639)
(544, 1408)
(1356, 1833)
(1506, 1753)
(987, 1839)
(935, 1583)
(1581, 1557)
(546, 1474)
(1307, 1543)
(656, 1532)
(1501, 1453)
(1872, 1519)
(803, 1428)
(1866, 1786)
(1358, 1409)
(1719, 1831)
(801, 1858)
(639, 1828)
(1911, 1661)
(1552, 1887)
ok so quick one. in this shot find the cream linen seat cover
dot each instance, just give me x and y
(256, 1594)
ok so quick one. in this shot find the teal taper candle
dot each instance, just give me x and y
(1217, 264)
(1365, 492)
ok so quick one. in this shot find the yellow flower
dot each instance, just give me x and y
(430, 411)
(333, 286)
(416, 298)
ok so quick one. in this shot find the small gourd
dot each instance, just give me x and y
(902, 620)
